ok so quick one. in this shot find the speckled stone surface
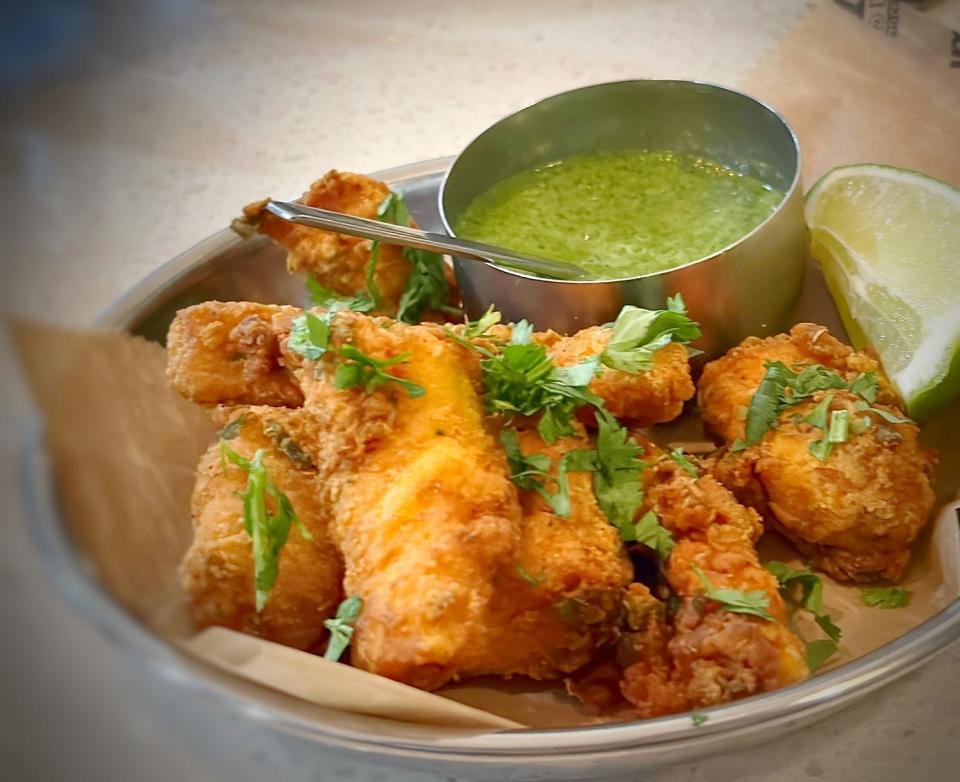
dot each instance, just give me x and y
(133, 129)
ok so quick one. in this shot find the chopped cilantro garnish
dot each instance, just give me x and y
(736, 601)
(267, 524)
(288, 446)
(522, 380)
(232, 429)
(890, 418)
(688, 467)
(810, 599)
(532, 472)
(638, 333)
(651, 533)
(532, 580)
(783, 387)
(698, 719)
(427, 287)
(321, 296)
(886, 597)
(479, 327)
(362, 370)
(310, 335)
(341, 627)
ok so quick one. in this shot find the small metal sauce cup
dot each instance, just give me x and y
(748, 287)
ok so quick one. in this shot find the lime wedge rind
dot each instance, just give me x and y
(887, 240)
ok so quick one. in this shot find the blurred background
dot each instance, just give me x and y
(131, 129)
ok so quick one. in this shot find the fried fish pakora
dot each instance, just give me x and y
(705, 654)
(432, 529)
(218, 569)
(642, 398)
(229, 353)
(338, 261)
(857, 511)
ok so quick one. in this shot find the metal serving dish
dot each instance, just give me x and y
(207, 708)
(747, 288)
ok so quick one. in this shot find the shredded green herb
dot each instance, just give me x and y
(267, 523)
(639, 333)
(361, 370)
(698, 719)
(688, 467)
(341, 627)
(532, 472)
(427, 287)
(886, 597)
(736, 601)
(810, 599)
(532, 580)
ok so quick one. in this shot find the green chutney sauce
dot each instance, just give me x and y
(620, 214)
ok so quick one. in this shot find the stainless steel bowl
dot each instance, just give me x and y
(216, 712)
(749, 287)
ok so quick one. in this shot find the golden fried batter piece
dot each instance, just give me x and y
(857, 512)
(727, 384)
(432, 529)
(705, 654)
(218, 569)
(643, 398)
(338, 261)
(229, 353)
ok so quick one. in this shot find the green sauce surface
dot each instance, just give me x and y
(620, 214)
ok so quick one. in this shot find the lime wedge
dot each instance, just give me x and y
(888, 241)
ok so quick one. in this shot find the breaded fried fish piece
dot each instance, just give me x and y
(855, 510)
(339, 262)
(432, 529)
(218, 569)
(727, 384)
(857, 513)
(704, 654)
(641, 398)
(229, 353)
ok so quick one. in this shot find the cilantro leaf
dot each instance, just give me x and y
(638, 333)
(654, 535)
(268, 528)
(232, 429)
(618, 480)
(890, 418)
(698, 719)
(427, 287)
(341, 627)
(688, 467)
(810, 599)
(818, 416)
(819, 651)
(865, 385)
(737, 601)
(321, 296)
(369, 373)
(886, 597)
(481, 325)
(309, 336)
(532, 580)
(532, 471)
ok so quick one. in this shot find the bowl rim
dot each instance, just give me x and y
(673, 737)
(788, 195)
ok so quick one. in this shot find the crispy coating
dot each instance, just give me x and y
(704, 654)
(338, 261)
(857, 513)
(229, 353)
(643, 398)
(218, 571)
(432, 529)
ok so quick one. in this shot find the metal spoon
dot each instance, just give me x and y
(422, 240)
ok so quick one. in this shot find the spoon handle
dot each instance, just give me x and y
(421, 240)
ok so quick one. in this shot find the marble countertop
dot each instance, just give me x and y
(133, 129)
